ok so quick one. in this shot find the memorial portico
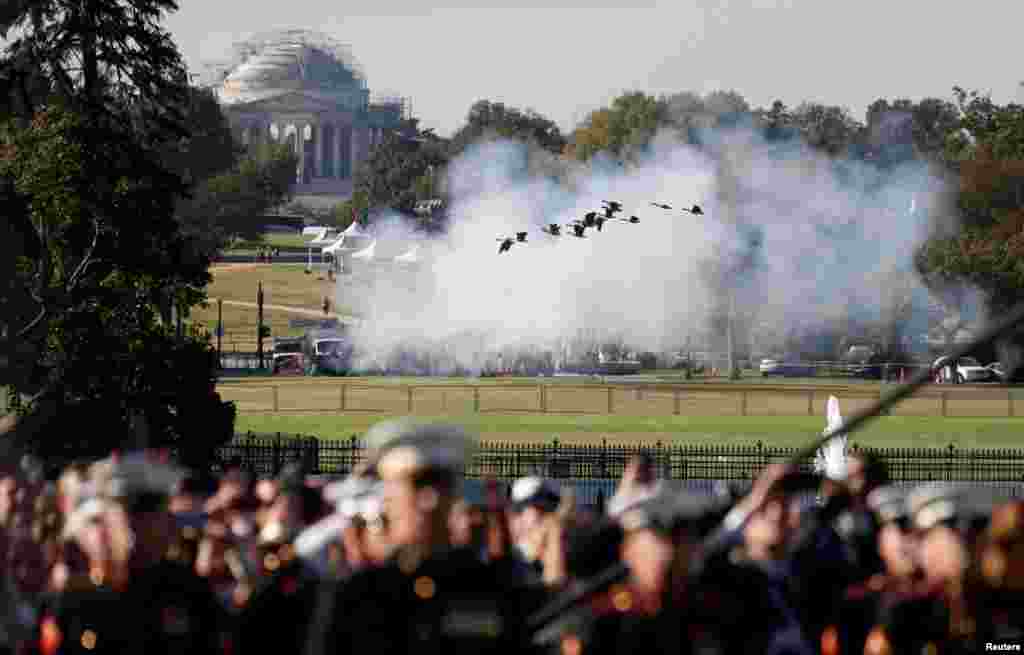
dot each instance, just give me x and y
(299, 89)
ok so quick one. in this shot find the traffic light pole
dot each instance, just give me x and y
(259, 323)
(220, 327)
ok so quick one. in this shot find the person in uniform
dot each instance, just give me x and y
(996, 578)
(277, 615)
(428, 596)
(936, 616)
(145, 602)
(533, 499)
(865, 601)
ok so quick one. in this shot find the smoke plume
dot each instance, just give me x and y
(797, 240)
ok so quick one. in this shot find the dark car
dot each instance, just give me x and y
(786, 369)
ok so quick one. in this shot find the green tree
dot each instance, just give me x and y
(491, 120)
(389, 176)
(233, 203)
(987, 251)
(92, 200)
(830, 129)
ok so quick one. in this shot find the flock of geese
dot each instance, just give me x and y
(590, 220)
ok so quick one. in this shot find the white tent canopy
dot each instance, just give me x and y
(327, 238)
(355, 230)
(315, 231)
(367, 253)
(411, 257)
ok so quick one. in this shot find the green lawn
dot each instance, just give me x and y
(893, 432)
(273, 240)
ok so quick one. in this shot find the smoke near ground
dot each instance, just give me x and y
(799, 239)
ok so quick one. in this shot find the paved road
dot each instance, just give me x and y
(301, 311)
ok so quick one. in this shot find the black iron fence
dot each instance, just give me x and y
(596, 468)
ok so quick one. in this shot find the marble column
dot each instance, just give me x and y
(300, 150)
(354, 148)
(318, 148)
(338, 170)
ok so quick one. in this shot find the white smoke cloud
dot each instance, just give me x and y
(827, 231)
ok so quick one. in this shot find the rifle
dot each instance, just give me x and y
(619, 571)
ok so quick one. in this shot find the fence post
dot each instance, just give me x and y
(408, 392)
(743, 403)
(277, 453)
(542, 393)
(276, 399)
(943, 396)
(675, 402)
(476, 399)
(611, 409)
(1009, 403)
(341, 398)
(810, 403)
(949, 463)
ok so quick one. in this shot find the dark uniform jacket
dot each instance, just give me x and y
(449, 603)
(166, 610)
(277, 617)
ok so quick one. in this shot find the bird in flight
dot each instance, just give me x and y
(660, 206)
(632, 219)
(611, 207)
(554, 229)
(578, 229)
(521, 237)
(506, 245)
(593, 219)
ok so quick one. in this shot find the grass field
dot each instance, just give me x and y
(273, 240)
(890, 432)
(285, 285)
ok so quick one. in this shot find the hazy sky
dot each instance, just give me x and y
(565, 58)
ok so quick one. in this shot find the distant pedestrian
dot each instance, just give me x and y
(327, 306)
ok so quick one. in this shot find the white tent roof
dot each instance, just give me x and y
(315, 231)
(411, 257)
(366, 253)
(327, 238)
(354, 230)
(335, 247)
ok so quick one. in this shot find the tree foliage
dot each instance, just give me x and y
(101, 97)
(491, 120)
(389, 177)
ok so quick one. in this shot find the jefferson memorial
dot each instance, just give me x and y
(305, 89)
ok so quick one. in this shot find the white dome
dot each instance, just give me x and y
(280, 62)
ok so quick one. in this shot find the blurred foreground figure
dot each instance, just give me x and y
(429, 596)
(137, 600)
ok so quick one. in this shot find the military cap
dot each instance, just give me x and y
(535, 491)
(401, 448)
(88, 507)
(934, 503)
(888, 503)
(672, 507)
(140, 480)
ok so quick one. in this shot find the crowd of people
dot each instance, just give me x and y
(131, 554)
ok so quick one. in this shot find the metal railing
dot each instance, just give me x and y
(596, 468)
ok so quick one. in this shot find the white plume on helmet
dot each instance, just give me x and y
(830, 459)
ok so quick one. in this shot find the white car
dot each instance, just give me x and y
(968, 370)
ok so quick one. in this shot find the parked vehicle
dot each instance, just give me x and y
(999, 370)
(966, 370)
(787, 369)
(327, 352)
(290, 364)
